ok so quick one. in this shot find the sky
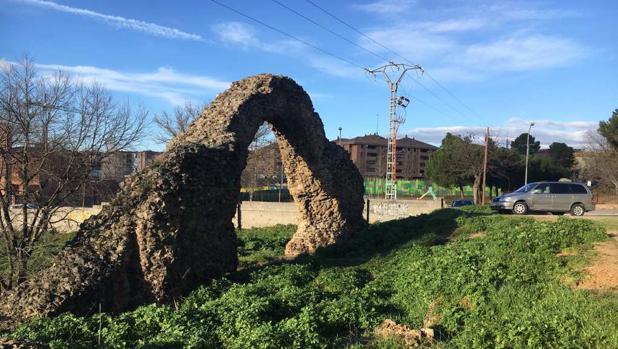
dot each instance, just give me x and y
(497, 64)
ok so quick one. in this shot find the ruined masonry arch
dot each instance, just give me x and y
(170, 227)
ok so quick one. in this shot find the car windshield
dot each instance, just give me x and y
(526, 188)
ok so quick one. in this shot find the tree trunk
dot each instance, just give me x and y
(476, 189)
(22, 267)
(461, 191)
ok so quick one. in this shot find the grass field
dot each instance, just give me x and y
(478, 280)
(610, 223)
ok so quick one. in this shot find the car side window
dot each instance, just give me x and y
(578, 189)
(542, 188)
(560, 188)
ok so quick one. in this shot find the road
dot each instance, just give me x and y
(602, 213)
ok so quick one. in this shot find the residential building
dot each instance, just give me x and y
(369, 155)
(121, 164)
(143, 159)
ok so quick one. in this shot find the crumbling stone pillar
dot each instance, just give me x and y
(170, 227)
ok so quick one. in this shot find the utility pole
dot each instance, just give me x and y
(280, 179)
(393, 74)
(485, 166)
(528, 152)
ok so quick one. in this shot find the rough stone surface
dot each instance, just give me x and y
(170, 227)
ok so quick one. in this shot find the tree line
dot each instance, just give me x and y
(459, 161)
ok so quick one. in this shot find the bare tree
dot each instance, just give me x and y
(602, 161)
(178, 122)
(259, 166)
(54, 131)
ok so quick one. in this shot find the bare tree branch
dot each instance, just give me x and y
(54, 132)
(173, 124)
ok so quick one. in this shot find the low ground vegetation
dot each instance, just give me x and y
(44, 250)
(503, 289)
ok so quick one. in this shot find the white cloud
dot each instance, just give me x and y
(333, 66)
(386, 7)
(573, 133)
(452, 59)
(119, 22)
(163, 83)
(408, 41)
(236, 33)
(523, 53)
(472, 41)
(245, 36)
(452, 25)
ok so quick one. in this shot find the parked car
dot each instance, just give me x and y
(575, 198)
(461, 203)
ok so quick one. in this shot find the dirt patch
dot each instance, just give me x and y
(566, 253)
(389, 329)
(476, 235)
(602, 274)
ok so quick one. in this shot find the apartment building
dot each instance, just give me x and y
(369, 155)
(121, 164)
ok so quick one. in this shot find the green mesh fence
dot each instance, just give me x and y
(411, 188)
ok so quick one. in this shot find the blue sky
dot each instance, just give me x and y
(502, 63)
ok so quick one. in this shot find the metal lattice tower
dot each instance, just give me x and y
(390, 71)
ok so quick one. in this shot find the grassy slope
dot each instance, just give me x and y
(610, 223)
(501, 290)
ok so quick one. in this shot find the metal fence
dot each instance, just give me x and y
(604, 198)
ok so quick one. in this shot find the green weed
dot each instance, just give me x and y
(502, 290)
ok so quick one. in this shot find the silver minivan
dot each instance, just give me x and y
(575, 198)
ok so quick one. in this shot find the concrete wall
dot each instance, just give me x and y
(66, 219)
(386, 210)
(265, 214)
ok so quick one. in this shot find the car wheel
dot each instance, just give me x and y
(520, 208)
(578, 210)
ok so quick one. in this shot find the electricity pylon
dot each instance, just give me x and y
(393, 74)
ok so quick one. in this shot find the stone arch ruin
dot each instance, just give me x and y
(170, 227)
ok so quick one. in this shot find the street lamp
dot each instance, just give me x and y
(528, 152)
(339, 135)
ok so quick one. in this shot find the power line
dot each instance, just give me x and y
(306, 43)
(282, 32)
(355, 29)
(328, 30)
(427, 105)
(396, 54)
(450, 93)
(436, 96)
